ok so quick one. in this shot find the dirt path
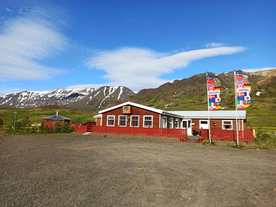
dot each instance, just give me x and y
(75, 170)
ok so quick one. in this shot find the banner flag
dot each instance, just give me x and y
(243, 91)
(213, 86)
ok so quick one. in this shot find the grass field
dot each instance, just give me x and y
(36, 114)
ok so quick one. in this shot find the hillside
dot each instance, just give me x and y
(191, 94)
(185, 94)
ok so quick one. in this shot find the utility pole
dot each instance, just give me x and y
(14, 120)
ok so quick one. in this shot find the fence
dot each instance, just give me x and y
(87, 127)
(166, 132)
(227, 135)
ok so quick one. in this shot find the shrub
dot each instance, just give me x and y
(65, 128)
(1, 122)
(57, 128)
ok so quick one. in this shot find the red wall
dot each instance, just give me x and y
(134, 111)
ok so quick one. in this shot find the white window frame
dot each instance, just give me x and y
(171, 124)
(176, 121)
(138, 120)
(204, 124)
(151, 121)
(107, 120)
(119, 120)
(227, 124)
(186, 124)
(166, 123)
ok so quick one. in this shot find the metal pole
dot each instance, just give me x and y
(236, 103)
(14, 120)
(209, 126)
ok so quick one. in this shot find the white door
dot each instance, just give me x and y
(187, 124)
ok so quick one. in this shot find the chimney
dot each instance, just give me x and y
(57, 114)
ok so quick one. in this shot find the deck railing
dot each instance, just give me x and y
(180, 133)
(227, 135)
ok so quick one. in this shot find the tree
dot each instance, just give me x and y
(1, 122)
(78, 120)
(47, 130)
(65, 128)
(25, 122)
(57, 128)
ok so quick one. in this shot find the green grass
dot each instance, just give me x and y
(36, 114)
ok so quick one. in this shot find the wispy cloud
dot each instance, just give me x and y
(214, 44)
(24, 42)
(7, 9)
(141, 68)
(258, 69)
(86, 86)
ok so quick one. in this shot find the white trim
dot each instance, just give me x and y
(204, 124)
(176, 120)
(119, 120)
(222, 122)
(171, 124)
(107, 120)
(151, 120)
(138, 120)
(132, 104)
(163, 122)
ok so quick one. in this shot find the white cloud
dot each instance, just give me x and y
(214, 44)
(10, 90)
(96, 86)
(9, 10)
(23, 43)
(141, 68)
(257, 69)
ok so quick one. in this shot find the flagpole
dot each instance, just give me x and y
(209, 126)
(236, 103)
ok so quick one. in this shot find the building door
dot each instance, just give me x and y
(187, 124)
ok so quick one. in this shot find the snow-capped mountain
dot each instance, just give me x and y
(87, 97)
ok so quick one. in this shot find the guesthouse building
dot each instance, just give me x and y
(131, 114)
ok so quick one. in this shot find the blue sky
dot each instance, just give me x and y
(51, 44)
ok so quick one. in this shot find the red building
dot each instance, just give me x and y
(50, 121)
(131, 114)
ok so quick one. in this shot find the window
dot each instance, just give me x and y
(203, 124)
(148, 121)
(134, 121)
(110, 120)
(122, 121)
(165, 122)
(184, 124)
(227, 124)
(176, 124)
(171, 123)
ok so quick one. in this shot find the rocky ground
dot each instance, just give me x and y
(107, 170)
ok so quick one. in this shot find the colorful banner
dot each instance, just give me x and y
(213, 85)
(243, 91)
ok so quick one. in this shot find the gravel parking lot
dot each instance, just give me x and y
(107, 170)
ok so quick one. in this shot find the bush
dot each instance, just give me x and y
(265, 138)
(65, 128)
(1, 122)
(57, 128)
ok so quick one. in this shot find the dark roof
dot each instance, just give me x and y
(57, 117)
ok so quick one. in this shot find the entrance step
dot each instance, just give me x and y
(192, 139)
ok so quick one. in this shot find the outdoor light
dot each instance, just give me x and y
(215, 123)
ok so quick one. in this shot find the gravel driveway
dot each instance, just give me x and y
(76, 170)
